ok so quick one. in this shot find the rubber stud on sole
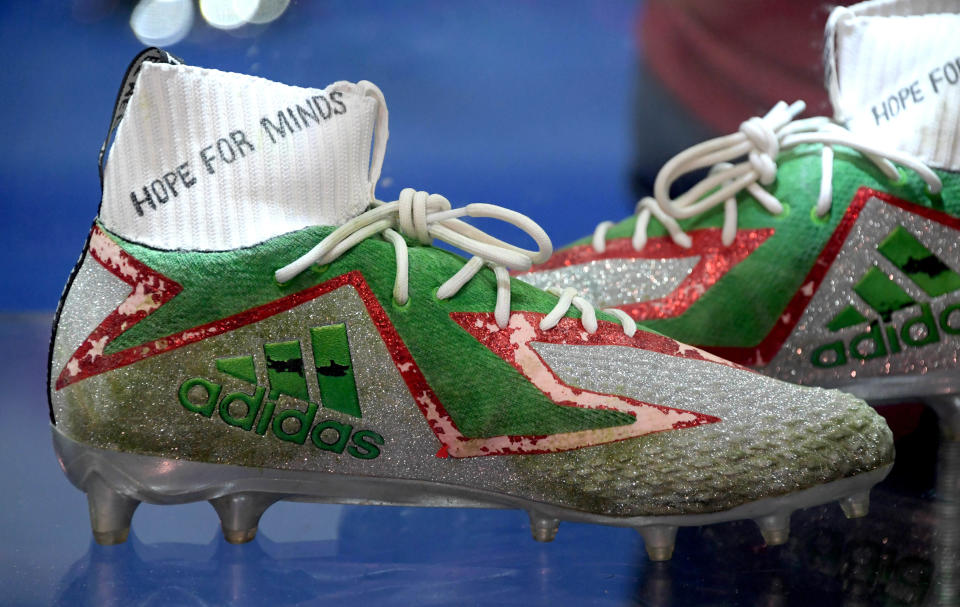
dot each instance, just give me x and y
(240, 514)
(659, 541)
(775, 528)
(948, 410)
(543, 528)
(110, 513)
(856, 505)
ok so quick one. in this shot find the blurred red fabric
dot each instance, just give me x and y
(726, 61)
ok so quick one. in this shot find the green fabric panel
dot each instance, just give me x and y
(331, 355)
(847, 317)
(240, 367)
(924, 268)
(484, 395)
(723, 316)
(285, 370)
(881, 293)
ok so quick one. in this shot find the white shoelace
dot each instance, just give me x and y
(760, 141)
(429, 216)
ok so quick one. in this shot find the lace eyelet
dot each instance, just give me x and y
(401, 306)
(318, 269)
(935, 199)
(784, 213)
(902, 180)
(817, 219)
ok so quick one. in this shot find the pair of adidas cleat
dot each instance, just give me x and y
(247, 323)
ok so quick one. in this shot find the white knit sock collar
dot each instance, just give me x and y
(211, 160)
(893, 75)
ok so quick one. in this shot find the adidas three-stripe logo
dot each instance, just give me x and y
(885, 297)
(286, 374)
(285, 369)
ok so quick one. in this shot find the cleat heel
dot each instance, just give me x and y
(659, 541)
(110, 513)
(856, 506)
(543, 528)
(775, 528)
(240, 514)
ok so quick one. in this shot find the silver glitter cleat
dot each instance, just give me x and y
(349, 361)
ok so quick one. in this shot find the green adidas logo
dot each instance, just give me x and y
(286, 375)
(884, 296)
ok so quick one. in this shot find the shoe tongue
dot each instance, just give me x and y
(893, 74)
(208, 160)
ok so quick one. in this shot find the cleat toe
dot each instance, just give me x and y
(659, 541)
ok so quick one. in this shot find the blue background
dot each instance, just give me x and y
(522, 104)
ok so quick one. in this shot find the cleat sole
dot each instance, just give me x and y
(775, 528)
(239, 536)
(936, 388)
(659, 541)
(543, 528)
(856, 506)
(119, 481)
(111, 538)
(110, 512)
(947, 408)
(240, 514)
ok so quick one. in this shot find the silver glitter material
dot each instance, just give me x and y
(141, 400)
(616, 282)
(858, 255)
(136, 409)
(94, 294)
(705, 469)
(774, 437)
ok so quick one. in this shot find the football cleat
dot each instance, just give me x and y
(248, 324)
(819, 251)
